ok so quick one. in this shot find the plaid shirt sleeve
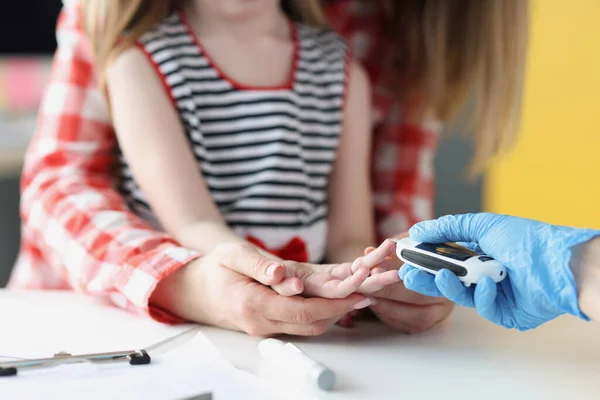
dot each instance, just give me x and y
(403, 171)
(77, 232)
(403, 152)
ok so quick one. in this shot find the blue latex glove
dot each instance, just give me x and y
(540, 285)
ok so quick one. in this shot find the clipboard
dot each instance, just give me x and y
(133, 357)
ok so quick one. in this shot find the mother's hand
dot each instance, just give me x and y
(408, 311)
(228, 288)
(404, 309)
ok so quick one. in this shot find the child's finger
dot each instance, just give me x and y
(389, 264)
(289, 287)
(341, 289)
(375, 257)
(342, 271)
(368, 250)
(377, 282)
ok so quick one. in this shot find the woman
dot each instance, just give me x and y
(424, 59)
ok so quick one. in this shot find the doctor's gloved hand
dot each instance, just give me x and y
(540, 285)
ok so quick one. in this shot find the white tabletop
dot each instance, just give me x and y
(464, 358)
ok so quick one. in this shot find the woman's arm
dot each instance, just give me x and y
(351, 226)
(77, 231)
(588, 279)
(155, 146)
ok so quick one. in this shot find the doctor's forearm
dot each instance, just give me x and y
(589, 280)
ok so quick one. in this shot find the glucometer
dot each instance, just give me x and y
(467, 265)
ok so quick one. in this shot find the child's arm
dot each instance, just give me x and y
(159, 155)
(351, 223)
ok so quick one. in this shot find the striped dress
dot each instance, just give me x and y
(266, 154)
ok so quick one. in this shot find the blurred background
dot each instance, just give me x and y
(26, 45)
(552, 173)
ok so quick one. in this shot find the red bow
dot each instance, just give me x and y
(294, 250)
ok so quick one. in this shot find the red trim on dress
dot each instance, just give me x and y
(161, 76)
(236, 84)
(294, 250)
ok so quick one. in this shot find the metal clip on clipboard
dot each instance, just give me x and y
(133, 357)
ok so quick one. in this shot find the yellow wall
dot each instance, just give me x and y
(553, 172)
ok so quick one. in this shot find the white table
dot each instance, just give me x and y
(464, 358)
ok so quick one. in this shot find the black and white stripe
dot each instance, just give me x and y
(266, 155)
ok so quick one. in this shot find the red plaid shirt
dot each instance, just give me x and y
(78, 233)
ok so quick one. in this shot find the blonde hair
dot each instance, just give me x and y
(115, 25)
(451, 53)
(442, 52)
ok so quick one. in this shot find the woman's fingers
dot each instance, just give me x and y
(289, 287)
(410, 318)
(313, 329)
(244, 259)
(300, 310)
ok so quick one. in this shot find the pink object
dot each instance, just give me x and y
(23, 82)
(3, 101)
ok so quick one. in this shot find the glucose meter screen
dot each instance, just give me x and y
(451, 250)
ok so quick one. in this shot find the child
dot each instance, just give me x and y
(244, 121)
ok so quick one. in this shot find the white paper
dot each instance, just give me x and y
(189, 370)
(38, 324)
(34, 327)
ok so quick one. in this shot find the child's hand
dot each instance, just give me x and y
(390, 263)
(341, 280)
